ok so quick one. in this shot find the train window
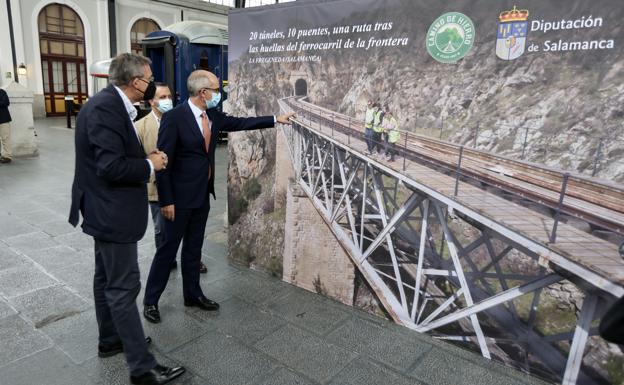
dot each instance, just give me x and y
(203, 61)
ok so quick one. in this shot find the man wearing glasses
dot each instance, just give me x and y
(109, 190)
(188, 135)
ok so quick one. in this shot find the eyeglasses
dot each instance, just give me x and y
(211, 89)
(151, 79)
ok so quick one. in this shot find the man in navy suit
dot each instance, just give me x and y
(110, 191)
(188, 135)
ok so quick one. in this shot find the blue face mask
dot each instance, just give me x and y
(216, 98)
(164, 105)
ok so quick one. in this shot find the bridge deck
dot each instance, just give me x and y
(597, 201)
(583, 250)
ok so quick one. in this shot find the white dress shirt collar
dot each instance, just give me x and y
(196, 110)
(132, 112)
(197, 113)
(156, 117)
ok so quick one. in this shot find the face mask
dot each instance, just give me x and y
(216, 98)
(150, 91)
(164, 105)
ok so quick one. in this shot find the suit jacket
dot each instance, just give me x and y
(147, 129)
(5, 116)
(185, 181)
(111, 172)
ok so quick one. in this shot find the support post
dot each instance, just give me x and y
(581, 333)
(405, 153)
(564, 185)
(458, 171)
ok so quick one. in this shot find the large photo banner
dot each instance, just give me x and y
(534, 81)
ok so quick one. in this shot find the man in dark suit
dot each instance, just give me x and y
(188, 135)
(110, 191)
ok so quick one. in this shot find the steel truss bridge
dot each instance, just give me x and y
(458, 253)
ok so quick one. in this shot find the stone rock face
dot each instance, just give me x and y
(560, 109)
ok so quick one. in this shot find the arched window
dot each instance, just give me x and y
(140, 29)
(63, 64)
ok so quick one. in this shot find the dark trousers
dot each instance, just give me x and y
(368, 136)
(390, 149)
(158, 221)
(189, 225)
(116, 285)
(377, 142)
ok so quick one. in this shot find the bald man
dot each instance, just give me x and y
(188, 135)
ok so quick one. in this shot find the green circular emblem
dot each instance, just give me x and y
(450, 37)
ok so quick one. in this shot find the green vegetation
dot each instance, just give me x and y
(274, 266)
(252, 189)
(615, 368)
(238, 204)
(236, 208)
(318, 286)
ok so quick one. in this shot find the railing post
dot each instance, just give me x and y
(319, 118)
(526, 136)
(441, 126)
(474, 145)
(458, 171)
(405, 152)
(597, 157)
(349, 133)
(564, 186)
(333, 124)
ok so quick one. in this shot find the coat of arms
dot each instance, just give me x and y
(512, 33)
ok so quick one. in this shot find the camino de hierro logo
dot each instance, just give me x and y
(512, 33)
(450, 37)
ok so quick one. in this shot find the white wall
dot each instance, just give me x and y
(94, 16)
(129, 11)
(6, 56)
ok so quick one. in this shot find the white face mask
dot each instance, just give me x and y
(164, 105)
(216, 98)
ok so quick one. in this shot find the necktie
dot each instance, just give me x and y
(206, 129)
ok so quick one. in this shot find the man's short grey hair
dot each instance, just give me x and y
(197, 81)
(126, 67)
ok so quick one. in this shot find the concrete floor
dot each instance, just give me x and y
(267, 331)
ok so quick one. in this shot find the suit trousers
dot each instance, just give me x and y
(5, 140)
(116, 286)
(188, 227)
(158, 221)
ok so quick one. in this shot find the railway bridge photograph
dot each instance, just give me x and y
(318, 192)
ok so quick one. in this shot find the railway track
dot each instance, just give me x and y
(597, 202)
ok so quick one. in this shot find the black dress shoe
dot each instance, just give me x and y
(105, 351)
(202, 268)
(157, 376)
(202, 303)
(151, 313)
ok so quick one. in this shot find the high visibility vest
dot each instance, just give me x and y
(390, 126)
(377, 122)
(370, 117)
